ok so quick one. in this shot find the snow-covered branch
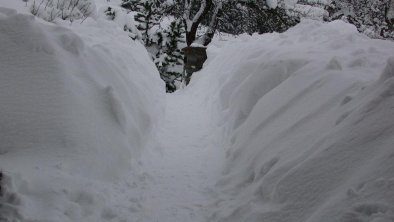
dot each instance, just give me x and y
(207, 37)
(192, 22)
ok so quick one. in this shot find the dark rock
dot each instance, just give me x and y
(194, 60)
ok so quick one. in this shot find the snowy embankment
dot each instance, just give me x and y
(307, 124)
(305, 118)
(78, 105)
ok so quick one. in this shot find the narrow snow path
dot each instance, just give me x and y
(186, 166)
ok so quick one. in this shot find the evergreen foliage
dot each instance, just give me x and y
(131, 5)
(164, 42)
(147, 17)
(249, 17)
(243, 16)
(169, 58)
(370, 17)
(110, 13)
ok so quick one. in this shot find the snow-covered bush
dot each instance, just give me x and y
(370, 17)
(147, 14)
(110, 13)
(123, 19)
(70, 10)
(239, 17)
(163, 40)
(374, 18)
(169, 58)
(309, 10)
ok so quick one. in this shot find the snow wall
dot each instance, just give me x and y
(77, 108)
(307, 121)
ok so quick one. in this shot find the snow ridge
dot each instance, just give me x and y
(77, 111)
(279, 127)
(305, 117)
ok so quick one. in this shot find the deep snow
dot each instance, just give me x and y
(307, 122)
(279, 127)
(77, 109)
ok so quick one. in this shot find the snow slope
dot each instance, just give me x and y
(307, 121)
(78, 104)
(279, 127)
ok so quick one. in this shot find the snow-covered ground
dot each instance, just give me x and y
(78, 105)
(183, 164)
(279, 127)
(307, 119)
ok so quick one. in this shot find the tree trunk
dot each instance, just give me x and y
(208, 36)
(192, 24)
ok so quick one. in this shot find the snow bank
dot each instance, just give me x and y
(307, 122)
(76, 111)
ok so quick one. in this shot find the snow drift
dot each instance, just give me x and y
(307, 119)
(76, 111)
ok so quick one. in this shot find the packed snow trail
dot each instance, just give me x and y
(187, 164)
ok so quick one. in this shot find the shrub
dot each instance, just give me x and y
(70, 10)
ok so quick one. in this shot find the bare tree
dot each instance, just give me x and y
(70, 10)
(207, 37)
(390, 11)
(192, 22)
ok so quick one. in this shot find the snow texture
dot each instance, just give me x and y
(283, 127)
(77, 109)
(306, 119)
